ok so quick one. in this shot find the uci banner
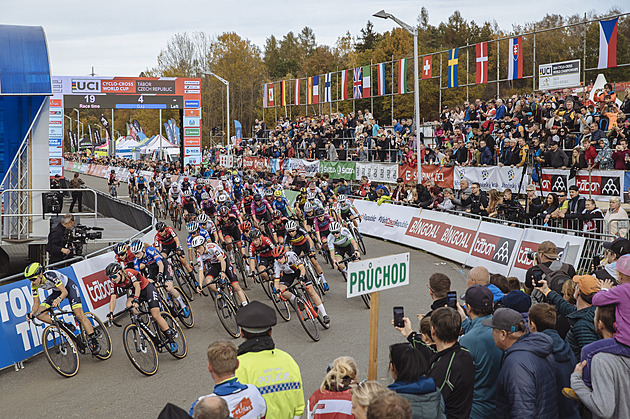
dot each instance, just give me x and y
(338, 169)
(495, 177)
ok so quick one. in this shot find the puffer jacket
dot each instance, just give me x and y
(582, 323)
(565, 363)
(426, 400)
(527, 381)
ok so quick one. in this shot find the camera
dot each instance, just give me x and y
(77, 238)
(531, 255)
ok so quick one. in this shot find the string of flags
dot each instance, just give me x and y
(361, 86)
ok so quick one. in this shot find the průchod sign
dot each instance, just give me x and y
(367, 276)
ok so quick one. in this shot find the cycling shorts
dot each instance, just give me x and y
(347, 216)
(266, 216)
(142, 186)
(150, 295)
(234, 232)
(266, 261)
(153, 271)
(214, 269)
(74, 296)
(323, 234)
(303, 249)
(169, 248)
(152, 199)
(344, 251)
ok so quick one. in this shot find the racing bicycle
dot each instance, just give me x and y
(226, 305)
(365, 297)
(174, 307)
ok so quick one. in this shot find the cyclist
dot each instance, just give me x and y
(124, 257)
(167, 182)
(174, 194)
(207, 205)
(157, 269)
(63, 287)
(322, 226)
(142, 186)
(237, 189)
(189, 205)
(287, 268)
(213, 263)
(194, 230)
(167, 242)
(152, 194)
(207, 224)
(198, 192)
(260, 253)
(113, 183)
(326, 195)
(278, 227)
(302, 245)
(341, 243)
(132, 182)
(261, 209)
(229, 232)
(314, 200)
(281, 204)
(300, 201)
(246, 204)
(185, 184)
(132, 281)
(346, 211)
(309, 217)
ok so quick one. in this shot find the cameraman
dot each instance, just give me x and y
(546, 256)
(57, 247)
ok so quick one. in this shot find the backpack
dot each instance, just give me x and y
(556, 277)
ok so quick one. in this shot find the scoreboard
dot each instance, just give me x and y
(123, 101)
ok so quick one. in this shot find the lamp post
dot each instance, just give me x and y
(78, 123)
(413, 30)
(227, 83)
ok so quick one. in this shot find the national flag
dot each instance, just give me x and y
(367, 81)
(453, 59)
(402, 76)
(265, 95)
(327, 87)
(315, 90)
(344, 84)
(481, 75)
(608, 43)
(380, 69)
(283, 93)
(427, 67)
(270, 97)
(309, 90)
(296, 89)
(358, 93)
(515, 64)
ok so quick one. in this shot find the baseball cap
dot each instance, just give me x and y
(399, 179)
(506, 319)
(623, 265)
(587, 283)
(619, 246)
(478, 296)
(548, 249)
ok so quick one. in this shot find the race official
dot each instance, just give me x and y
(274, 372)
(57, 246)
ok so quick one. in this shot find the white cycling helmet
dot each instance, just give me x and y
(335, 227)
(192, 226)
(198, 241)
(204, 196)
(311, 195)
(136, 246)
(291, 225)
(308, 207)
(202, 218)
(342, 198)
(175, 186)
(222, 198)
(220, 187)
(324, 184)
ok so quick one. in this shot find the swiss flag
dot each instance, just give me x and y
(427, 67)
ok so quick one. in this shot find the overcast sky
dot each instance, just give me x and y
(123, 38)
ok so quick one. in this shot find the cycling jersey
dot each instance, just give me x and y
(291, 265)
(263, 249)
(322, 225)
(128, 258)
(316, 203)
(228, 222)
(112, 179)
(212, 255)
(299, 238)
(202, 233)
(125, 284)
(189, 204)
(244, 400)
(141, 182)
(246, 204)
(197, 195)
(151, 256)
(210, 227)
(280, 228)
(281, 205)
(152, 193)
(52, 279)
(310, 219)
(343, 240)
(168, 238)
(185, 186)
(237, 191)
(167, 184)
(346, 208)
(300, 201)
(173, 195)
(260, 209)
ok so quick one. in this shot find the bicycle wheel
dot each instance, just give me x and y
(140, 349)
(156, 211)
(184, 283)
(366, 299)
(281, 305)
(178, 219)
(102, 335)
(189, 321)
(265, 287)
(306, 318)
(359, 239)
(227, 315)
(319, 318)
(60, 350)
(315, 280)
(179, 338)
(240, 266)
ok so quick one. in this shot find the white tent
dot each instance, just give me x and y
(127, 143)
(155, 144)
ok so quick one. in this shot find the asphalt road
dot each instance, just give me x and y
(114, 389)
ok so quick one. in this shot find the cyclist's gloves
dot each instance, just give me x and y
(135, 301)
(160, 277)
(110, 316)
(301, 278)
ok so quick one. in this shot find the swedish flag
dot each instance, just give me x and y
(453, 55)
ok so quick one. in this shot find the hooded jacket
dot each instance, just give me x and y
(426, 400)
(527, 386)
(565, 363)
(604, 156)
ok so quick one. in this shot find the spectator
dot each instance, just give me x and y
(333, 399)
(549, 207)
(533, 204)
(447, 203)
(479, 275)
(478, 340)
(590, 153)
(591, 217)
(614, 250)
(452, 367)
(77, 183)
(616, 218)
(389, 406)
(547, 255)
(526, 383)
(542, 319)
(408, 369)
(363, 394)
(399, 192)
(555, 157)
(486, 155)
(478, 200)
(439, 285)
(518, 301)
(211, 407)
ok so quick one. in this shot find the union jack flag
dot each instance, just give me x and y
(358, 83)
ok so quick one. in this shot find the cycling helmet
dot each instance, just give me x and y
(120, 249)
(224, 210)
(257, 197)
(254, 233)
(198, 241)
(247, 225)
(220, 187)
(33, 270)
(251, 180)
(192, 226)
(112, 270)
(278, 252)
(186, 193)
(202, 218)
(308, 207)
(335, 227)
(324, 184)
(204, 196)
(291, 225)
(237, 179)
(276, 214)
(303, 190)
(277, 193)
(225, 177)
(198, 186)
(268, 192)
(151, 184)
(319, 211)
(185, 179)
(341, 198)
(136, 246)
(175, 186)
(112, 172)
(268, 184)
(310, 195)
(131, 170)
(222, 198)
(246, 193)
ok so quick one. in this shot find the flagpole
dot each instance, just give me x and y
(392, 88)
(584, 67)
(498, 64)
(338, 88)
(467, 62)
(534, 66)
(440, 105)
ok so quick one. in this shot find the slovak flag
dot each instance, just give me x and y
(608, 43)
(481, 75)
(515, 67)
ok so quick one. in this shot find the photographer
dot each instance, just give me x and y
(58, 247)
(548, 267)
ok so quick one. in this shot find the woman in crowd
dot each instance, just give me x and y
(578, 160)
(494, 199)
(447, 203)
(437, 196)
(362, 394)
(551, 204)
(333, 399)
(592, 217)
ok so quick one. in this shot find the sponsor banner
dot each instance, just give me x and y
(55, 152)
(377, 274)
(377, 172)
(559, 75)
(495, 247)
(192, 151)
(55, 142)
(387, 221)
(55, 103)
(192, 132)
(194, 160)
(256, 163)
(55, 170)
(309, 168)
(192, 141)
(442, 176)
(192, 112)
(226, 160)
(191, 104)
(495, 177)
(338, 169)
(192, 121)
(600, 184)
(569, 249)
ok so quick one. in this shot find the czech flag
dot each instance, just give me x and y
(515, 67)
(608, 43)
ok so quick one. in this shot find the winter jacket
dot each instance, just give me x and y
(526, 387)
(604, 156)
(426, 400)
(453, 370)
(582, 322)
(565, 364)
(486, 156)
(619, 295)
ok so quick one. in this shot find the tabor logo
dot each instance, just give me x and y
(610, 185)
(558, 183)
(98, 288)
(504, 251)
(493, 248)
(86, 86)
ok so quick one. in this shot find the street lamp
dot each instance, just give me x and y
(416, 87)
(227, 83)
(78, 123)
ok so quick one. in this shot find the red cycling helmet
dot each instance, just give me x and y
(278, 252)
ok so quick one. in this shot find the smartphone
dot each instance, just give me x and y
(399, 313)
(596, 261)
(451, 299)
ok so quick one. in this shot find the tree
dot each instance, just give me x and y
(368, 39)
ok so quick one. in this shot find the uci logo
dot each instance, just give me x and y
(86, 86)
(484, 174)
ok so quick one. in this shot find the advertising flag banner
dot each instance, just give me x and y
(402, 76)
(283, 93)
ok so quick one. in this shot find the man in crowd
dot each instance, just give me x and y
(478, 200)
(480, 276)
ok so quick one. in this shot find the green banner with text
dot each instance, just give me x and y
(338, 169)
